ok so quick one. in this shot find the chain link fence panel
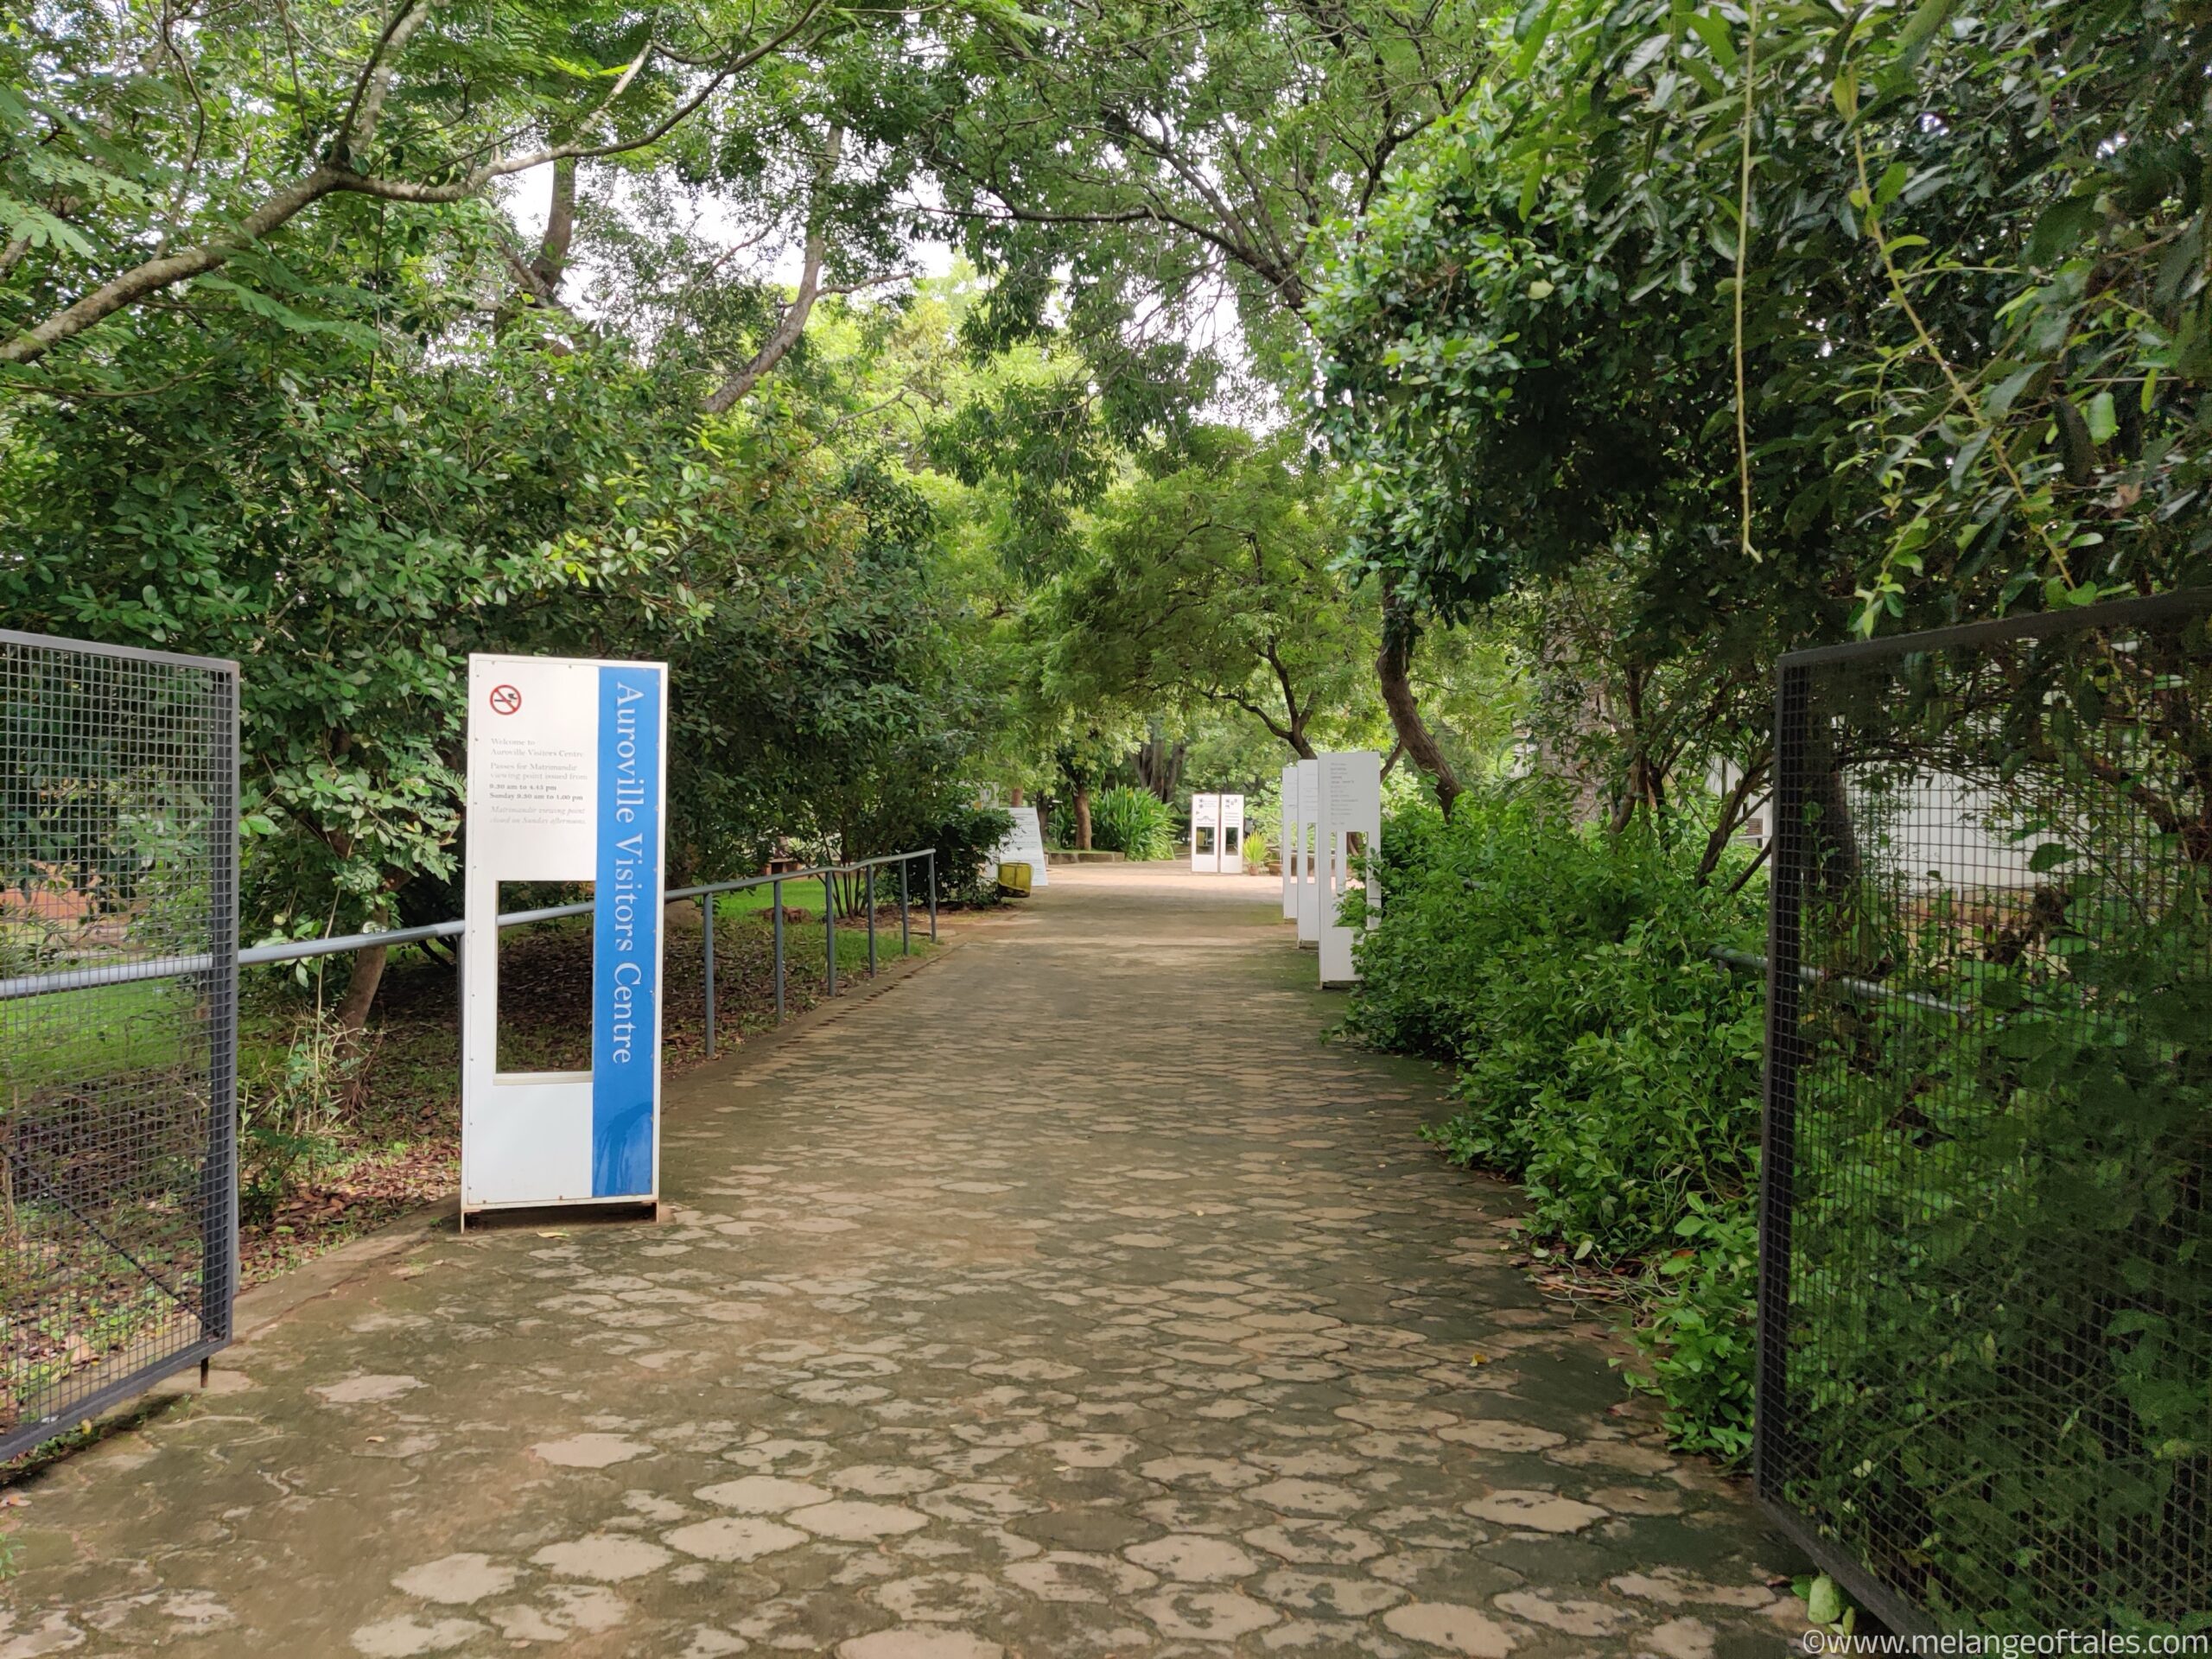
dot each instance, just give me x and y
(118, 1011)
(1985, 1391)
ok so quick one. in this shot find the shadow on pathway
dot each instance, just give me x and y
(1066, 1298)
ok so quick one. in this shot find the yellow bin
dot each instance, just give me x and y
(1014, 879)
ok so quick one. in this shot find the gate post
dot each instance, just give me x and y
(218, 1224)
(1791, 840)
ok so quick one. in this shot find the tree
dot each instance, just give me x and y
(1211, 583)
(1146, 161)
(142, 155)
(1533, 341)
(1538, 348)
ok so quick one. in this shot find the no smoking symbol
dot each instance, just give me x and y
(505, 700)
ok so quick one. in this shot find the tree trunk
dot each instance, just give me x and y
(739, 383)
(1160, 768)
(1735, 812)
(351, 1014)
(552, 261)
(1393, 669)
(1083, 817)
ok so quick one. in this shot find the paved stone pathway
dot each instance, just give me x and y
(1067, 1297)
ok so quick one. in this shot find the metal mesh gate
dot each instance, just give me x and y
(1984, 1392)
(118, 978)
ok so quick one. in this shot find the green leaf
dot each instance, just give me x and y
(2048, 856)
(1845, 93)
(1920, 29)
(1533, 42)
(1714, 31)
(2104, 419)
(2002, 395)
(2059, 228)
(1823, 1601)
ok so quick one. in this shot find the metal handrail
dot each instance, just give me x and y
(126, 973)
(1870, 991)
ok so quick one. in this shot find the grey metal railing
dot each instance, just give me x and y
(123, 973)
(1871, 991)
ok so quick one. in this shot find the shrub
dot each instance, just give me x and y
(964, 837)
(1134, 823)
(288, 1112)
(2000, 1235)
(1262, 827)
(1606, 1061)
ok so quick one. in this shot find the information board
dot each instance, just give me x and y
(1217, 835)
(1308, 910)
(1024, 844)
(1232, 835)
(1286, 846)
(566, 777)
(1350, 830)
(1206, 834)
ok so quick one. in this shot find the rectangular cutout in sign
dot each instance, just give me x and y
(566, 777)
(530, 1035)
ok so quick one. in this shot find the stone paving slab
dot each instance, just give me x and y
(1069, 1297)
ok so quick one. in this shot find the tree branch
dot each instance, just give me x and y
(338, 177)
(740, 382)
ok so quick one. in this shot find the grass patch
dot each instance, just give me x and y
(98, 1032)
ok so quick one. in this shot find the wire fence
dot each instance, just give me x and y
(119, 882)
(119, 965)
(1985, 1389)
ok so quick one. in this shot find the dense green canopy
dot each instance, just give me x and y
(350, 337)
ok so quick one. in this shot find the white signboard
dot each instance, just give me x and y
(1206, 834)
(1289, 840)
(1024, 844)
(568, 771)
(1308, 914)
(1351, 829)
(1217, 835)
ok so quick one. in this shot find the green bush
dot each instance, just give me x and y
(289, 1110)
(964, 837)
(1606, 1061)
(2010, 1209)
(1134, 823)
(1262, 827)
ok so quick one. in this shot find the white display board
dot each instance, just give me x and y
(1308, 911)
(1217, 835)
(1024, 844)
(1206, 834)
(568, 772)
(1350, 830)
(1284, 846)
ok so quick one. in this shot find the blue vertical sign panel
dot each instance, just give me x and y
(626, 944)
